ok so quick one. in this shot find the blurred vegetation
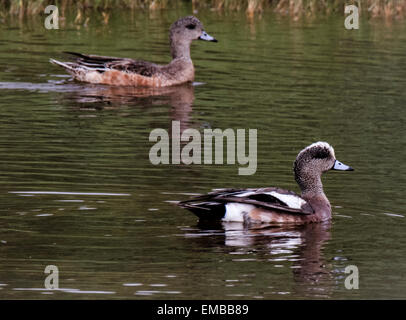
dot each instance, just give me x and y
(294, 8)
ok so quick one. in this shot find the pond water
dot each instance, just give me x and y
(77, 189)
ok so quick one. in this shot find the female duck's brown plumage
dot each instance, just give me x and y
(274, 205)
(129, 72)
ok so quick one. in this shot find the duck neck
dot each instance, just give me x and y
(180, 49)
(312, 191)
(310, 185)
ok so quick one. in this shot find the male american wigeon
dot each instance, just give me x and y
(129, 72)
(274, 205)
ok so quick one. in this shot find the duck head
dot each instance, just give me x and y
(311, 163)
(183, 32)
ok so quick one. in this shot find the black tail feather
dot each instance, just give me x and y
(204, 211)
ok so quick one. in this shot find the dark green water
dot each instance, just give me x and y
(96, 207)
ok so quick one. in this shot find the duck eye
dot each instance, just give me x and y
(191, 26)
(321, 154)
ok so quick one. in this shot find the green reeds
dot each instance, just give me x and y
(294, 8)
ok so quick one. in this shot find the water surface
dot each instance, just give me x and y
(78, 191)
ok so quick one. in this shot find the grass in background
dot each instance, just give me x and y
(294, 8)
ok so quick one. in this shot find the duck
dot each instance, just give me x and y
(272, 205)
(128, 72)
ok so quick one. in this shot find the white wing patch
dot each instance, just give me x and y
(245, 194)
(291, 200)
(236, 211)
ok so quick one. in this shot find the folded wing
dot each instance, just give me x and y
(212, 205)
(105, 63)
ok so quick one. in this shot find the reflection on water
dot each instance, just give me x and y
(180, 98)
(300, 247)
(100, 96)
(77, 189)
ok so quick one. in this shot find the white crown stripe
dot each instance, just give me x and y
(318, 144)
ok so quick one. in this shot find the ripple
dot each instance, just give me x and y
(136, 284)
(158, 285)
(87, 291)
(152, 292)
(67, 290)
(71, 193)
(393, 215)
(40, 87)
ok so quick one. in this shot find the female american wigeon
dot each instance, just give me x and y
(274, 205)
(129, 72)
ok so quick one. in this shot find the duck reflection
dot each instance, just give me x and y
(301, 247)
(180, 98)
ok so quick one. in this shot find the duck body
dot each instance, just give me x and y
(129, 72)
(275, 205)
(263, 205)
